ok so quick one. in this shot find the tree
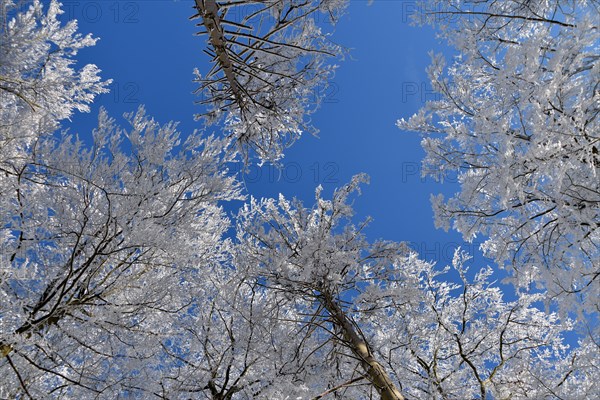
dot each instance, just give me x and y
(38, 84)
(91, 256)
(464, 340)
(88, 250)
(241, 342)
(517, 120)
(302, 256)
(413, 333)
(269, 69)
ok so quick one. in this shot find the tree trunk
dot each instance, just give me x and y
(375, 371)
(209, 10)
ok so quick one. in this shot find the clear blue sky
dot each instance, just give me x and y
(148, 48)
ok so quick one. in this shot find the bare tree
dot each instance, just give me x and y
(241, 341)
(301, 254)
(518, 121)
(269, 68)
(413, 332)
(39, 84)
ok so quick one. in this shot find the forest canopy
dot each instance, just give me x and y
(124, 274)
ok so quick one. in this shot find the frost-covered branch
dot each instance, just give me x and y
(269, 69)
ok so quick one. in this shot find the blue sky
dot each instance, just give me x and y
(149, 50)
